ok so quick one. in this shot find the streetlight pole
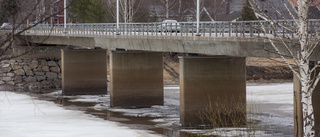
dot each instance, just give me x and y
(65, 16)
(198, 17)
(118, 18)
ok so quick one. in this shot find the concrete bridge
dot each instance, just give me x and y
(136, 71)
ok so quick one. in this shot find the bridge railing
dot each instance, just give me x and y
(206, 29)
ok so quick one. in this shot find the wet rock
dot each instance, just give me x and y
(51, 75)
(45, 68)
(55, 69)
(52, 64)
(20, 72)
(30, 79)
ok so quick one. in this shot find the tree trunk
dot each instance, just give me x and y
(308, 117)
(167, 9)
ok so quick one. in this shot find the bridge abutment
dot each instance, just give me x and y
(84, 72)
(136, 79)
(212, 86)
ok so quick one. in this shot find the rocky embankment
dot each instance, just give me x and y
(31, 73)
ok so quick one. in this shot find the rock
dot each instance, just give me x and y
(45, 68)
(51, 75)
(7, 79)
(2, 82)
(39, 73)
(20, 72)
(40, 78)
(33, 64)
(45, 83)
(29, 72)
(38, 69)
(5, 65)
(5, 70)
(18, 79)
(52, 64)
(16, 66)
(55, 69)
(10, 74)
(11, 83)
(59, 76)
(43, 62)
(30, 79)
(25, 68)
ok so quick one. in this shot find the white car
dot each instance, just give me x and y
(170, 26)
(6, 26)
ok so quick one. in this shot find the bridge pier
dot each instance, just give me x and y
(212, 85)
(298, 115)
(136, 79)
(84, 72)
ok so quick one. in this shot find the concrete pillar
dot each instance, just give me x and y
(136, 79)
(212, 84)
(84, 72)
(298, 116)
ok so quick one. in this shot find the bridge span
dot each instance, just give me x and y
(136, 77)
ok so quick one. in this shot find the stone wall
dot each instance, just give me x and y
(31, 73)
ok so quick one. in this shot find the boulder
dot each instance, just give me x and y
(2, 82)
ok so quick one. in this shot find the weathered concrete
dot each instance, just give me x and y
(136, 79)
(228, 46)
(298, 115)
(208, 81)
(84, 72)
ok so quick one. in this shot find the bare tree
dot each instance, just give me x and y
(169, 5)
(298, 11)
(17, 12)
(128, 8)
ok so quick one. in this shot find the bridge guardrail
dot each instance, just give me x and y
(206, 29)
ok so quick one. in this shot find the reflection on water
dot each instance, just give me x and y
(142, 123)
